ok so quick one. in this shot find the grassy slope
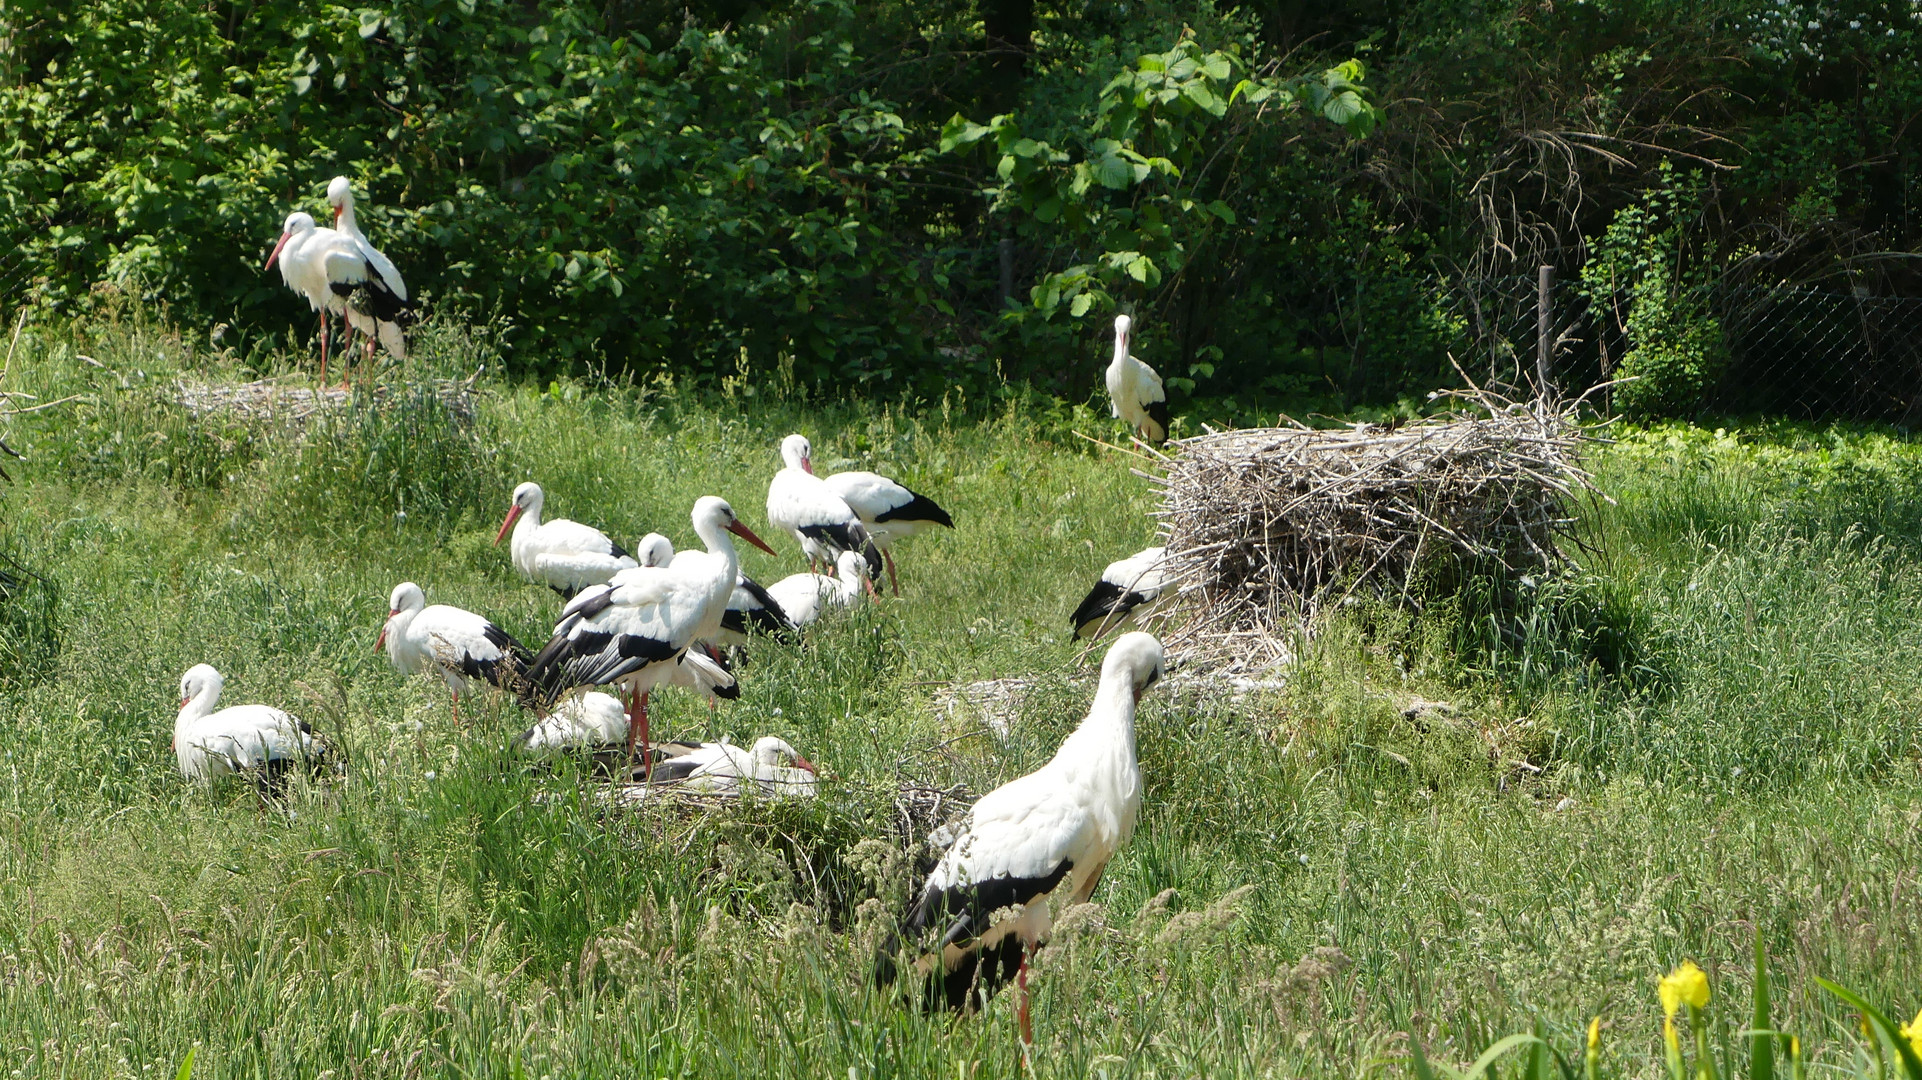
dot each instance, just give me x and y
(1741, 754)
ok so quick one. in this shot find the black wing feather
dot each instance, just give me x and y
(920, 508)
(967, 911)
(1106, 602)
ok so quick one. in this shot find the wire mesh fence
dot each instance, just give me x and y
(1792, 351)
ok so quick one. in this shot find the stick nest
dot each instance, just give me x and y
(1267, 527)
(270, 399)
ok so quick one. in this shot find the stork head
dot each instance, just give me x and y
(1135, 658)
(405, 597)
(797, 453)
(852, 566)
(654, 550)
(340, 196)
(712, 514)
(771, 751)
(200, 679)
(1122, 325)
(297, 224)
(527, 499)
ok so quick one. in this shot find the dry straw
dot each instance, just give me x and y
(1267, 527)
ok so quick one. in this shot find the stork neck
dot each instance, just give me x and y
(719, 542)
(397, 626)
(347, 222)
(201, 705)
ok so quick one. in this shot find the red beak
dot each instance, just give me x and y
(336, 215)
(382, 640)
(747, 534)
(270, 259)
(184, 701)
(803, 763)
(513, 515)
(869, 583)
(807, 465)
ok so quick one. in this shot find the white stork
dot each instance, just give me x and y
(804, 598)
(461, 647)
(589, 721)
(1135, 393)
(774, 765)
(387, 308)
(888, 510)
(634, 630)
(1060, 823)
(563, 555)
(209, 744)
(302, 266)
(1130, 589)
(802, 503)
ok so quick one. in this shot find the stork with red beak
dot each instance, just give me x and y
(821, 521)
(634, 630)
(563, 555)
(385, 310)
(461, 647)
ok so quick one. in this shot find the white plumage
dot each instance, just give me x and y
(775, 767)
(304, 253)
(461, 647)
(563, 555)
(209, 744)
(634, 630)
(587, 721)
(1135, 393)
(387, 304)
(1129, 590)
(888, 510)
(750, 608)
(802, 503)
(806, 597)
(1057, 825)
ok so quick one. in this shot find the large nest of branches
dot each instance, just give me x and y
(1267, 527)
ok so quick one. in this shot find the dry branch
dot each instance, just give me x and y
(1266, 527)
(267, 399)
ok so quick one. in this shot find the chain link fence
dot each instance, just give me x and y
(1800, 352)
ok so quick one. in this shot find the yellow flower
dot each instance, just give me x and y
(1684, 985)
(1912, 1031)
(1595, 1032)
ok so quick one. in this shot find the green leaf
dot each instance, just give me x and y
(303, 83)
(187, 1067)
(1217, 66)
(1204, 98)
(960, 131)
(1221, 210)
(1485, 1065)
(1141, 268)
(1891, 1032)
(1048, 209)
(1111, 169)
(1081, 304)
(1761, 1053)
(370, 23)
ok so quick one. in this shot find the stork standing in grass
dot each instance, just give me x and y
(1060, 824)
(888, 510)
(301, 254)
(1130, 589)
(1135, 393)
(802, 503)
(634, 630)
(461, 647)
(563, 555)
(384, 310)
(209, 744)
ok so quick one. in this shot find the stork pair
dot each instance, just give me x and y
(342, 275)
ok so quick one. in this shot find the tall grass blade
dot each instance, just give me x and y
(1484, 1066)
(187, 1066)
(1761, 1055)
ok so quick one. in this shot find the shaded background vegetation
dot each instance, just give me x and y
(702, 187)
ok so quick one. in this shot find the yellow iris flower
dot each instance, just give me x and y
(1686, 985)
(1912, 1031)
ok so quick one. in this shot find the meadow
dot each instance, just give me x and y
(1497, 814)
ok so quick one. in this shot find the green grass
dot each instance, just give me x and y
(1711, 728)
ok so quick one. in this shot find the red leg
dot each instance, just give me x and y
(457, 722)
(892, 580)
(323, 350)
(1021, 1000)
(647, 765)
(633, 728)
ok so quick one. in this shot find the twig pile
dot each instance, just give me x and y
(1267, 526)
(267, 399)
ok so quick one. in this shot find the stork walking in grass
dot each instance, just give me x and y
(984, 909)
(633, 631)
(383, 310)
(1129, 590)
(463, 648)
(563, 555)
(820, 520)
(260, 739)
(1135, 393)
(888, 510)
